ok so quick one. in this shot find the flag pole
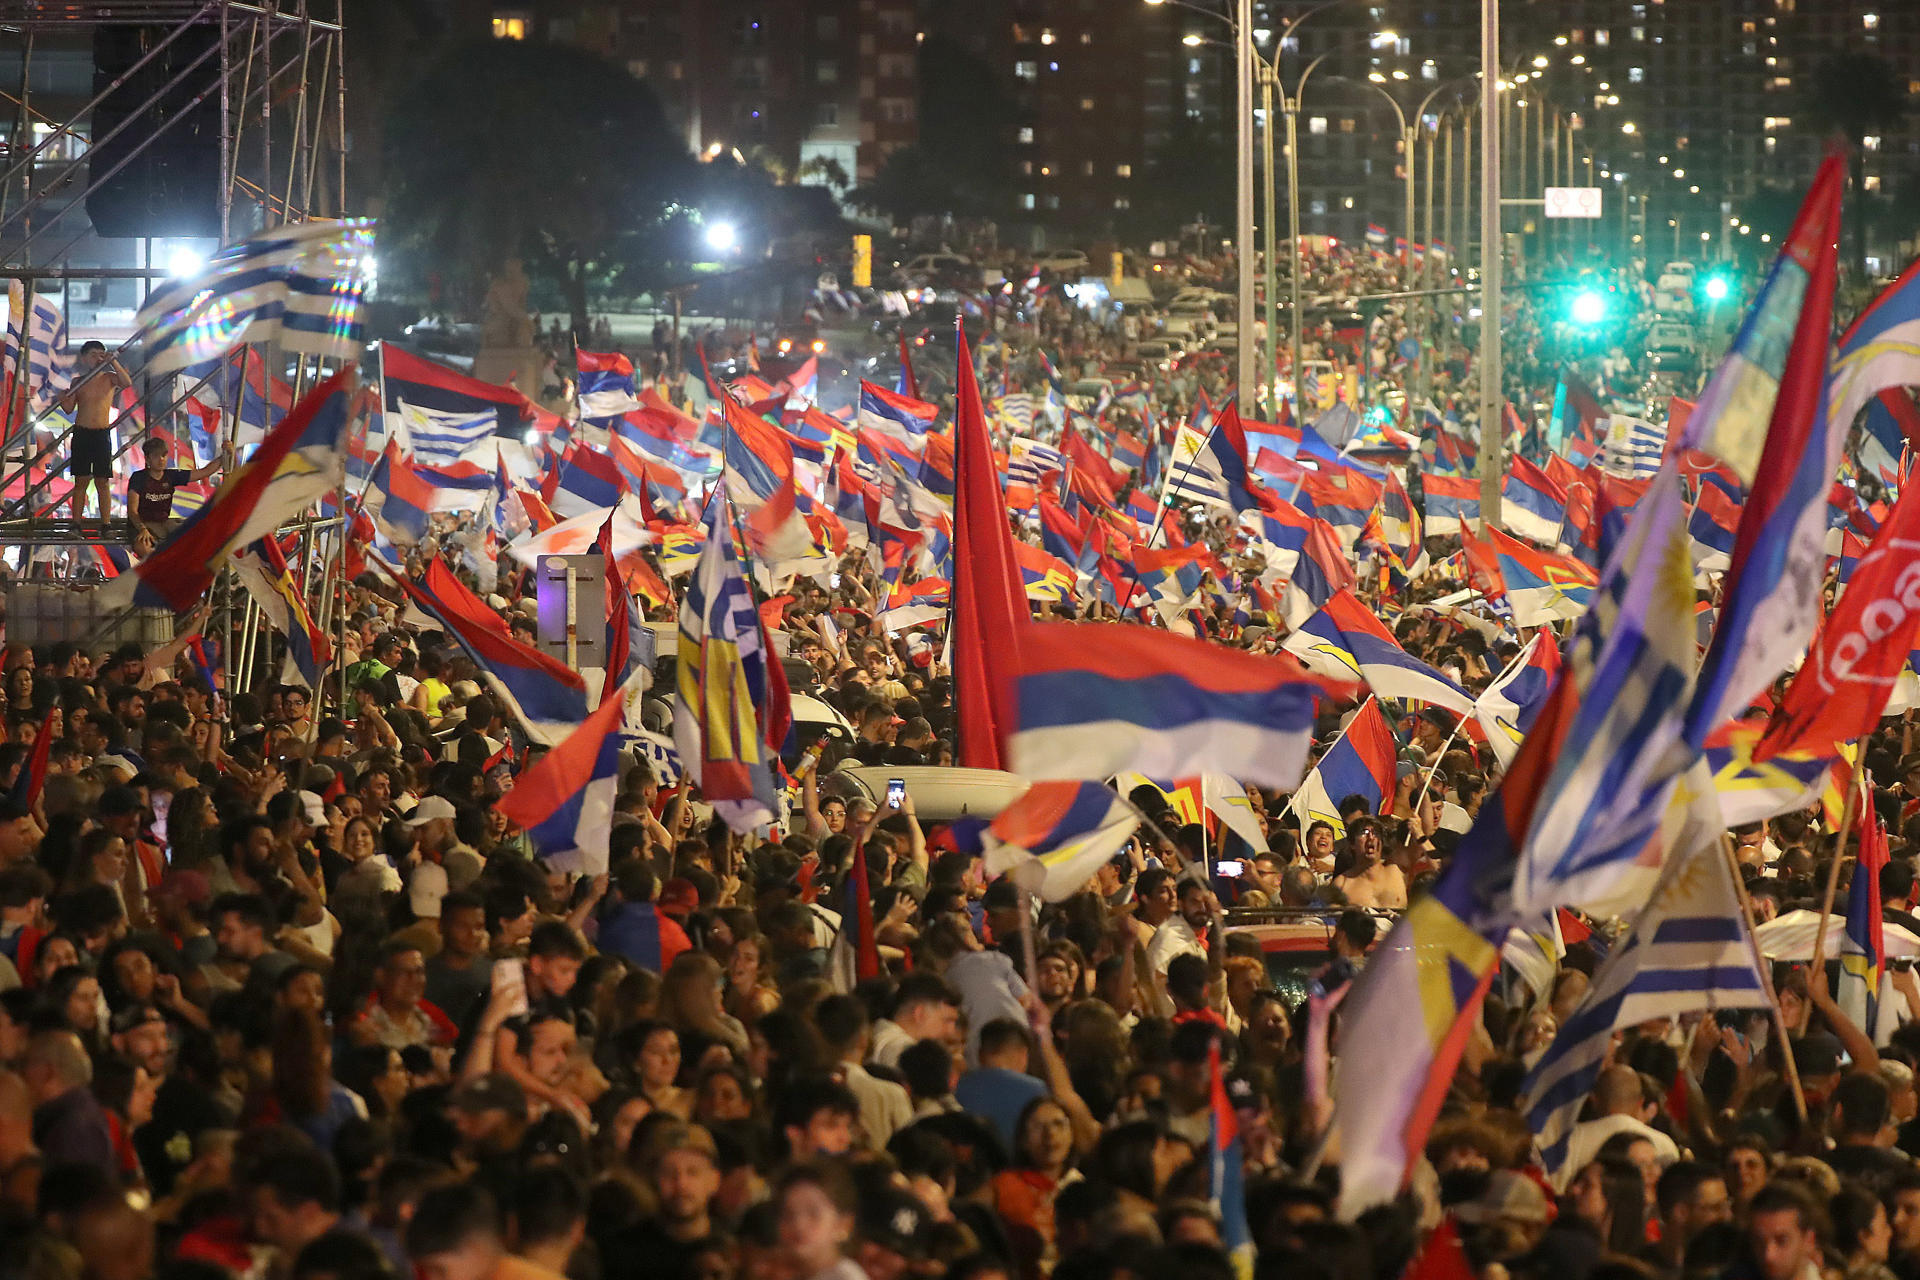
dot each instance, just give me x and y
(1766, 976)
(1161, 517)
(1833, 870)
(1508, 670)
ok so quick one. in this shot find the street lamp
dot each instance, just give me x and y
(1246, 61)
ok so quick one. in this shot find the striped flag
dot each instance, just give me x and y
(262, 569)
(548, 698)
(1689, 949)
(1863, 948)
(1633, 447)
(301, 461)
(1016, 411)
(732, 712)
(565, 801)
(1228, 1158)
(300, 286)
(1345, 641)
(1361, 762)
(1092, 701)
(606, 385)
(1028, 462)
(1068, 828)
(1508, 707)
(49, 367)
(440, 435)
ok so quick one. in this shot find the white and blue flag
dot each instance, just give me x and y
(49, 366)
(1689, 949)
(301, 286)
(438, 435)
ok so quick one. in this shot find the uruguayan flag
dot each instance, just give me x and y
(1633, 447)
(301, 286)
(1028, 460)
(1689, 949)
(1016, 411)
(49, 367)
(438, 436)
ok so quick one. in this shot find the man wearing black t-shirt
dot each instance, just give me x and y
(150, 491)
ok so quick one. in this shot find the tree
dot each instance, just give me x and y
(1857, 94)
(508, 148)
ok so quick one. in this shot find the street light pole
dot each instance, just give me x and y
(1409, 138)
(1492, 465)
(1243, 201)
(1426, 220)
(1290, 108)
(1446, 201)
(1270, 360)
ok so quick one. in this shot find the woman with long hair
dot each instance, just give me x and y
(1607, 1197)
(368, 878)
(192, 829)
(650, 1054)
(71, 999)
(1861, 1234)
(751, 994)
(723, 1094)
(302, 1091)
(1023, 1194)
(1135, 1161)
(378, 1076)
(1094, 1046)
(692, 1003)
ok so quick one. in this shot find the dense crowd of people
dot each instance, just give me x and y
(286, 996)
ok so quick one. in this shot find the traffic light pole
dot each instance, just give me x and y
(1492, 465)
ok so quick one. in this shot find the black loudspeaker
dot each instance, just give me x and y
(172, 186)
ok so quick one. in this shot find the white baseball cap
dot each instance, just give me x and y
(429, 808)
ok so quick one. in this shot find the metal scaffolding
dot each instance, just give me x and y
(275, 70)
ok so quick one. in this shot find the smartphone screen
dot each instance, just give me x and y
(511, 976)
(162, 801)
(896, 792)
(1229, 867)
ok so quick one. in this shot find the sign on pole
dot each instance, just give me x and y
(863, 262)
(1573, 202)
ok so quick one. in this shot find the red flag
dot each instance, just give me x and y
(1085, 458)
(989, 604)
(619, 642)
(1849, 675)
(866, 949)
(1898, 401)
(912, 387)
(33, 774)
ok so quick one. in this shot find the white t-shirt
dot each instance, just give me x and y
(1590, 1135)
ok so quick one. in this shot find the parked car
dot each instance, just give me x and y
(1064, 262)
(949, 269)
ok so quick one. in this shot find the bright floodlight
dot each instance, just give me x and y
(721, 236)
(1589, 307)
(1716, 288)
(183, 261)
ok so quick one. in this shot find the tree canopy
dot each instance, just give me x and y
(505, 148)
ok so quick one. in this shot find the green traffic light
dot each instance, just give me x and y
(1716, 288)
(1589, 307)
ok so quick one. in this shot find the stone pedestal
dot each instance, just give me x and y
(507, 349)
(517, 365)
